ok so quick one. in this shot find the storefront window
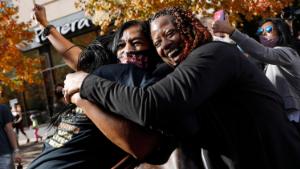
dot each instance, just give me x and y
(60, 69)
(35, 97)
(85, 39)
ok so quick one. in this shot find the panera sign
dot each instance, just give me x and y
(65, 29)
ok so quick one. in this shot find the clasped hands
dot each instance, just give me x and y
(72, 86)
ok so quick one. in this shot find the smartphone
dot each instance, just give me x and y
(219, 15)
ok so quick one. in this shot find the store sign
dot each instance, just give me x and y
(74, 26)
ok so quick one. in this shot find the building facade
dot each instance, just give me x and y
(71, 23)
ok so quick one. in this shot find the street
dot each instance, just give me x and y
(31, 150)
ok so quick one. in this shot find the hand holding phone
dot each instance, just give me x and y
(219, 15)
(221, 23)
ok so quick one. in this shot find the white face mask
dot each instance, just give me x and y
(225, 39)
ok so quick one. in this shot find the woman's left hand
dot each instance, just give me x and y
(73, 83)
(222, 26)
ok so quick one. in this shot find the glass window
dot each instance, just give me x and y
(85, 39)
(59, 68)
(35, 97)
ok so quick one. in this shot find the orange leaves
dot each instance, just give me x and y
(15, 69)
(104, 12)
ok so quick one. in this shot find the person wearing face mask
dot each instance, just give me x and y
(278, 50)
(137, 59)
(214, 98)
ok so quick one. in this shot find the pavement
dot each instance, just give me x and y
(29, 151)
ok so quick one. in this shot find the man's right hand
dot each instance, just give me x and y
(40, 14)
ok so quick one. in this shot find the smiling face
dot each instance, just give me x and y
(131, 46)
(167, 40)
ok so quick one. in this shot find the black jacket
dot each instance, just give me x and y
(217, 95)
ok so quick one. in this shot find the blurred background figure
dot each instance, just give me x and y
(9, 152)
(35, 126)
(291, 16)
(18, 121)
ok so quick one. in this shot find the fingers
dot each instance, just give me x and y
(68, 94)
(38, 7)
(18, 158)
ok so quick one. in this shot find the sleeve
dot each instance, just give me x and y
(6, 114)
(171, 99)
(276, 56)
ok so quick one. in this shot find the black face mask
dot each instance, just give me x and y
(143, 59)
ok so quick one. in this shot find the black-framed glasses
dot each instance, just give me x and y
(261, 30)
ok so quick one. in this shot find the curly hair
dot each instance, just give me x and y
(191, 29)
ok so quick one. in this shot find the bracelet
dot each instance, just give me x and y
(68, 49)
(46, 31)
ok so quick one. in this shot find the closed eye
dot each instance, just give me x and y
(171, 32)
(120, 45)
(157, 43)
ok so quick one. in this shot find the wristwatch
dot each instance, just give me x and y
(47, 29)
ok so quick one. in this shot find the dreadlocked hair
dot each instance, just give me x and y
(194, 34)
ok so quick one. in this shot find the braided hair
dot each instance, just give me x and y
(191, 29)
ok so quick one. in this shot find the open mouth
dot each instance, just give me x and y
(175, 54)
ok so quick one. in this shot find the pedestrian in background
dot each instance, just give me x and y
(18, 121)
(9, 151)
(35, 127)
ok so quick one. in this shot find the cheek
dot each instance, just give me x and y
(123, 60)
(119, 53)
(159, 52)
(165, 59)
(141, 47)
(274, 35)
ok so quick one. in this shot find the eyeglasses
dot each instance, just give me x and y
(261, 30)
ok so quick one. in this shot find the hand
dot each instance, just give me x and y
(73, 83)
(17, 157)
(222, 26)
(76, 99)
(40, 14)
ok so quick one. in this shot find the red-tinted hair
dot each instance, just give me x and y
(193, 32)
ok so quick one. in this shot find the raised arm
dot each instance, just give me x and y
(67, 49)
(277, 56)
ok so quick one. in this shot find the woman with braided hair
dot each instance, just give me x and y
(215, 98)
(191, 30)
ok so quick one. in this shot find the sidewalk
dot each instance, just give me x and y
(31, 150)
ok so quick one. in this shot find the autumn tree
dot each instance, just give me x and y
(116, 12)
(15, 68)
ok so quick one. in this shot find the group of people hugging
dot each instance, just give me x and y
(162, 94)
